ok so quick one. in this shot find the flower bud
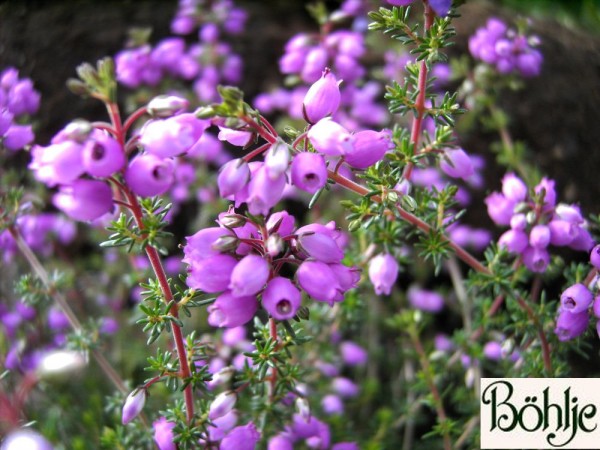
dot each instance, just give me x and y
(514, 188)
(369, 147)
(222, 404)
(242, 437)
(277, 159)
(539, 237)
(383, 271)
(249, 276)
(319, 281)
(163, 434)
(353, 354)
(322, 98)
(303, 407)
(233, 176)
(457, 164)
(166, 106)
(226, 243)
(321, 247)
(133, 405)
(330, 138)
(211, 274)
(274, 244)
(59, 362)
(230, 311)
(570, 325)
(84, 199)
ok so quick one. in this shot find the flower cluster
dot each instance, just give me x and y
(18, 101)
(536, 222)
(241, 260)
(574, 309)
(191, 14)
(39, 232)
(207, 63)
(507, 50)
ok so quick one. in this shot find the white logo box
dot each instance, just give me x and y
(540, 413)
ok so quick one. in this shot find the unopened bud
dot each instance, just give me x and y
(277, 159)
(78, 130)
(133, 405)
(166, 105)
(226, 243)
(275, 245)
(303, 407)
(233, 221)
(222, 404)
(223, 375)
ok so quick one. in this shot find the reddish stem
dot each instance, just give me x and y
(262, 132)
(155, 262)
(461, 253)
(256, 152)
(542, 335)
(137, 114)
(417, 122)
(161, 276)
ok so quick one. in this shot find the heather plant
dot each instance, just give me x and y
(204, 270)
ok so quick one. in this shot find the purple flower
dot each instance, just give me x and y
(18, 136)
(514, 188)
(320, 246)
(212, 274)
(244, 437)
(264, 192)
(330, 138)
(500, 208)
(570, 325)
(383, 272)
(249, 276)
(149, 175)
(163, 434)
(596, 306)
(332, 405)
(536, 259)
(456, 164)
(353, 354)
(231, 311)
(102, 155)
(539, 237)
(562, 232)
(369, 147)
(493, 350)
(222, 425)
(173, 136)
(345, 387)
(595, 257)
(515, 241)
(309, 172)
(84, 199)
(425, 300)
(322, 98)
(233, 176)
(576, 298)
(280, 442)
(319, 281)
(346, 445)
(60, 163)
(200, 245)
(133, 405)
(238, 138)
(281, 299)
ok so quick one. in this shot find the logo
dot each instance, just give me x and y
(540, 413)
